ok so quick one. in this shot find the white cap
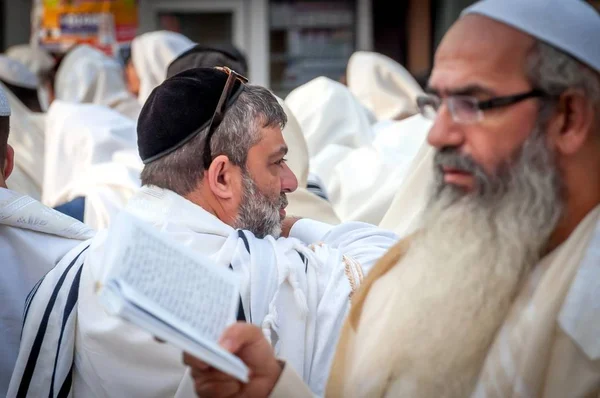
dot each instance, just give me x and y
(572, 26)
(15, 73)
(4, 105)
(35, 58)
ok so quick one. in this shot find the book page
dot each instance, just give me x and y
(186, 285)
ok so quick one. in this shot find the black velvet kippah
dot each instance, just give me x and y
(180, 108)
(201, 56)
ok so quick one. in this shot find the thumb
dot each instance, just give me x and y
(239, 335)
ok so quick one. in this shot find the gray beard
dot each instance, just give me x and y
(465, 267)
(259, 213)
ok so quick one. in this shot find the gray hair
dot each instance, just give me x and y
(182, 170)
(554, 71)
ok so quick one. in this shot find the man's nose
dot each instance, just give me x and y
(289, 182)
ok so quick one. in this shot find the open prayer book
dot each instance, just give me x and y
(175, 294)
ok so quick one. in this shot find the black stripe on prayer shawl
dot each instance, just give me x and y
(66, 387)
(28, 300)
(39, 338)
(242, 235)
(71, 301)
(241, 317)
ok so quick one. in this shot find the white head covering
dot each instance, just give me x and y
(363, 184)
(27, 138)
(91, 152)
(332, 120)
(573, 26)
(4, 106)
(36, 59)
(88, 76)
(303, 203)
(26, 131)
(151, 54)
(381, 84)
(17, 74)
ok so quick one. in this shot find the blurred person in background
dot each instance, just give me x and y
(27, 125)
(39, 61)
(382, 85)
(92, 165)
(88, 76)
(496, 294)
(151, 54)
(202, 56)
(333, 122)
(33, 239)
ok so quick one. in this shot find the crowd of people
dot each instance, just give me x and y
(391, 238)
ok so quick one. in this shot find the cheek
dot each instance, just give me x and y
(492, 147)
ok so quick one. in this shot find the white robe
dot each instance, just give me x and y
(382, 85)
(364, 183)
(333, 122)
(33, 238)
(303, 202)
(92, 152)
(27, 138)
(151, 54)
(88, 76)
(299, 304)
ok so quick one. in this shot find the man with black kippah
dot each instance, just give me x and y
(215, 179)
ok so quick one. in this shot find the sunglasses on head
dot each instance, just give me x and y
(217, 117)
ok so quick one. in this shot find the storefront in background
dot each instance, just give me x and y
(109, 25)
(287, 42)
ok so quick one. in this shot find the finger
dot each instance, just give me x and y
(239, 335)
(218, 390)
(211, 375)
(194, 362)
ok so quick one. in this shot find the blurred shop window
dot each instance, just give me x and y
(309, 39)
(201, 27)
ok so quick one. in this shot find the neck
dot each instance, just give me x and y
(576, 209)
(210, 204)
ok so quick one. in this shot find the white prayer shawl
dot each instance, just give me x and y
(92, 152)
(38, 61)
(411, 198)
(27, 138)
(382, 85)
(363, 184)
(151, 54)
(88, 76)
(298, 297)
(33, 239)
(332, 120)
(303, 202)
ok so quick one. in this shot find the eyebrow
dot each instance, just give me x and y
(472, 89)
(282, 151)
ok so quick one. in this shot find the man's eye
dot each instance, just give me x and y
(281, 162)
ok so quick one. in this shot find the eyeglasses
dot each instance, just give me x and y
(466, 109)
(217, 117)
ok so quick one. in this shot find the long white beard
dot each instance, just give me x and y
(461, 274)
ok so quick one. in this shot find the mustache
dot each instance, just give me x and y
(451, 158)
(283, 201)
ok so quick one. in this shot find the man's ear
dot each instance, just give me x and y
(9, 162)
(220, 177)
(571, 127)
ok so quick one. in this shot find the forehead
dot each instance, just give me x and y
(271, 140)
(481, 51)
